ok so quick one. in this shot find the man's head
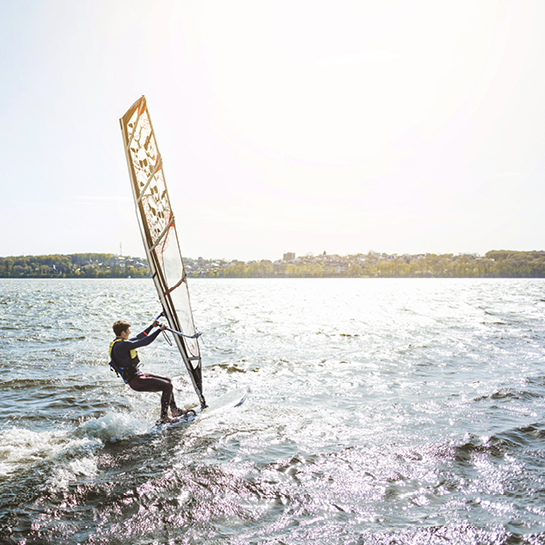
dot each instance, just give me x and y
(121, 328)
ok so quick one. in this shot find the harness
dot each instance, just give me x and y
(126, 373)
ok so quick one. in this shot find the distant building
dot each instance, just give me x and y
(289, 256)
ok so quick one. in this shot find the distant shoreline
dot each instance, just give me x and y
(494, 264)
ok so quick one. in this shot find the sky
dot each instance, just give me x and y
(285, 126)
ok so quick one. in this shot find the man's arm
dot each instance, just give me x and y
(142, 339)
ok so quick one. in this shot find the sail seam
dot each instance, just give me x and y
(179, 283)
(164, 231)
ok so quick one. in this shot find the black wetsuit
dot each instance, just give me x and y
(123, 354)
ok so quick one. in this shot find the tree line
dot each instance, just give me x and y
(86, 265)
(494, 264)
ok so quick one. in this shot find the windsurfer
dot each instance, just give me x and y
(125, 360)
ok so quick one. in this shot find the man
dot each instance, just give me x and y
(124, 360)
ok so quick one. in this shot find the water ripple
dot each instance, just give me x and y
(380, 412)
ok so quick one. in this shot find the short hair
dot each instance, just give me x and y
(120, 326)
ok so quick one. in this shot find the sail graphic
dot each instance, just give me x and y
(158, 229)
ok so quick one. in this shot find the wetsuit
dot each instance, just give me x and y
(124, 355)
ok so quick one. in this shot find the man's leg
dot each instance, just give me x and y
(154, 383)
(172, 403)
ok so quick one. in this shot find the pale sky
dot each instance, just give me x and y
(304, 125)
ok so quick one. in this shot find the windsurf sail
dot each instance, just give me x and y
(158, 229)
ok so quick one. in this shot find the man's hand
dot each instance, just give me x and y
(163, 327)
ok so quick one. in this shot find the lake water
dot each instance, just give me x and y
(380, 411)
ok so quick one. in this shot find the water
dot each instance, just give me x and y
(380, 411)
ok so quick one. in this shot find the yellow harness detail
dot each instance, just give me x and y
(129, 372)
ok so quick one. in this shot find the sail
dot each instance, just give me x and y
(158, 229)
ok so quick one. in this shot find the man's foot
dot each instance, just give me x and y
(166, 420)
(182, 413)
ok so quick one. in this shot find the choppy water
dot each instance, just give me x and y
(380, 411)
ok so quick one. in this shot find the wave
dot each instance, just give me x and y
(458, 534)
(114, 427)
(21, 448)
(501, 445)
(509, 394)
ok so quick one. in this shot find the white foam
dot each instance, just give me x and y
(75, 470)
(115, 427)
(20, 447)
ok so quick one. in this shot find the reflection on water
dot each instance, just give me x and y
(380, 411)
